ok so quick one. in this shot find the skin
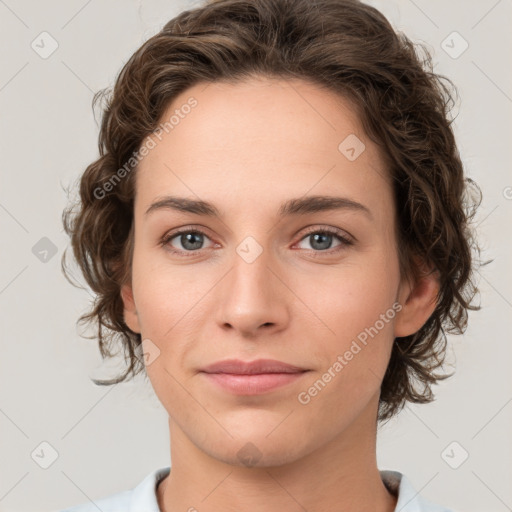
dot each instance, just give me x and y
(246, 148)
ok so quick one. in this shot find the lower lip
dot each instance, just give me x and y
(253, 384)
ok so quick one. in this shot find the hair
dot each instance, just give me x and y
(346, 47)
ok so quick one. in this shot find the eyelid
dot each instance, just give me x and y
(170, 235)
(345, 238)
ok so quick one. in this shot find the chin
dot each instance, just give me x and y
(257, 448)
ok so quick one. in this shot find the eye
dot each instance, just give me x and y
(191, 241)
(321, 239)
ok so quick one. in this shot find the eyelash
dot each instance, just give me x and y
(345, 241)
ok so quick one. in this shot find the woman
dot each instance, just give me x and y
(277, 232)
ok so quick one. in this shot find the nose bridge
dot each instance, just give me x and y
(250, 265)
(251, 294)
(250, 279)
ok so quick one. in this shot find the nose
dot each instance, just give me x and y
(253, 298)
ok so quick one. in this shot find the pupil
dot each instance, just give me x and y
(320, 236)
(189, 238)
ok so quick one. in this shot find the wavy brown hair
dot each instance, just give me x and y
(343, 46)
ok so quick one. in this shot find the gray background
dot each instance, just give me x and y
(108, 439)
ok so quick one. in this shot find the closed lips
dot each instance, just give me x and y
(260, 366)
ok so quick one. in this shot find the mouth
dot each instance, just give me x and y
(259, 366)
(252, 378)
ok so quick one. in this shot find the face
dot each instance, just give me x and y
(266, 277)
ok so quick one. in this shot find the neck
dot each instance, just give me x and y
(341, 475)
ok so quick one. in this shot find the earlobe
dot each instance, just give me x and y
(131, 317)
(418, 302)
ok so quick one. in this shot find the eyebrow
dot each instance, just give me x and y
(299, 206)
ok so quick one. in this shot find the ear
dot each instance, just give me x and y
(131, 317)
(418, 300)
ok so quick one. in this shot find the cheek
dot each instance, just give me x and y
(352, 296)
(355, 354)
(171, 309)
(164, 294)
(356, 304)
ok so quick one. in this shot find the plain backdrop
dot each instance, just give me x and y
(99, 440)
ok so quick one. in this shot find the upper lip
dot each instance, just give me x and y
(236, 366)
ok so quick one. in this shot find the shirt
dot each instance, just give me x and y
(143, 498)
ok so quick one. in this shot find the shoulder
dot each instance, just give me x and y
(409, 500)
(141, 497)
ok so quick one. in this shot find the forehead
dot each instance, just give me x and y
(259, 137)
